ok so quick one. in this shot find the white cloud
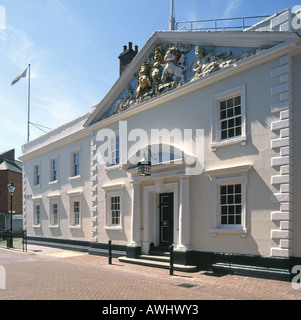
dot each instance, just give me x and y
(232, 8)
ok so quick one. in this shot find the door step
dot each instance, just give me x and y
(157, 262)
(155, 253)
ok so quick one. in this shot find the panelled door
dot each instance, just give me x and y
(166, 206)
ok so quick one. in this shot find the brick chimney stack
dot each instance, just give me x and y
(127, 56)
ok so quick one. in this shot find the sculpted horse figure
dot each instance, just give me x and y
(174, 65)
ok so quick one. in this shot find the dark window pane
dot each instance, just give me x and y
(231, 133)
(237, 111)
(238, 199)
(224, 210)
(230, 199)
(238, 210)
(231, 209)
(223, 189)
(230, 189)
(230, 112)
(224, 125)
(238, 219)
(223, 199)
(231, 219)
(230, 103)
(224, 134)
(223, 105)
(237, 100)
(238, 131)
(224, 220)
(238, 121)
(223, 115)
(238, 188)
(231, 123)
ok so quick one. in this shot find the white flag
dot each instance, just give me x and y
(22, 75)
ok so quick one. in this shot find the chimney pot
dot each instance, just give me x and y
(127, 56)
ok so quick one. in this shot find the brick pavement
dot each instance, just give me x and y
(53, 274)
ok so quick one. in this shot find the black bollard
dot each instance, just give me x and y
(171, 267)
(110, 251)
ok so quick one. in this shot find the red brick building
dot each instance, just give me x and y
(10, 170)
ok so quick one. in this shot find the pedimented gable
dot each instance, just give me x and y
(169, 63)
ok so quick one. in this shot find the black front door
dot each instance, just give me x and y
(166, 219)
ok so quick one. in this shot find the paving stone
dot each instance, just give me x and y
(53, 274)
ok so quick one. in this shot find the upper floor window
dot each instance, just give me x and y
(37, 175)
(229, 118)
(115, 145)
(54, 170)
(76, 163)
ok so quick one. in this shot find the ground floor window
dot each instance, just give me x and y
(54, 214)
(230, 204)
(75, 209)
(229, 199)
(115, 210)
(37, 215)
(113, 207)
(75, 218)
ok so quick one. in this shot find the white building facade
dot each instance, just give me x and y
(218, 112)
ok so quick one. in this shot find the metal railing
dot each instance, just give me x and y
(14, 239)
(214, 24)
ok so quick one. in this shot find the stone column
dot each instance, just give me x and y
(135, 217)
(184, 215)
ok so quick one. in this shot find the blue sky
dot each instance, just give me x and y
(73, 48)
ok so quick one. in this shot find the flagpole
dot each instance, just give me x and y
(28, 119)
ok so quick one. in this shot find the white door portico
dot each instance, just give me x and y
(145, 208)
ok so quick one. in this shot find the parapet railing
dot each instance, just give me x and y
(14, 239)
(215, 24)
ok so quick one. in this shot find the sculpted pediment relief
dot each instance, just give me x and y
(170, 65)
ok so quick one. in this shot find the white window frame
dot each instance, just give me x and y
(75, 196)
(216, 130)
(73, 200)
(36, 183)
(115, 213)
(75, 215)
(113, 191)
(54, 200)
(222, 177)
(113, 165)
(36, 223)
(75, 165)
(73, 175)
(114, 150)
(52, 178)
